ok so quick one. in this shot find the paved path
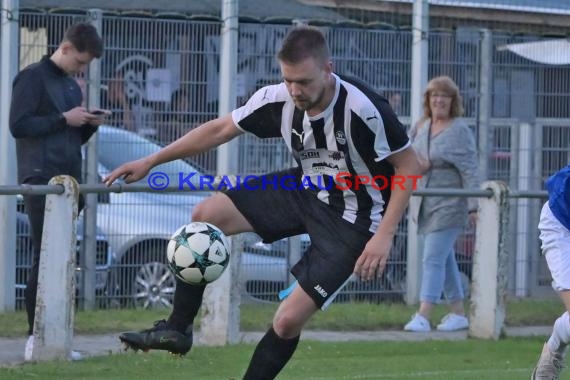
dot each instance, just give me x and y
(12, 349)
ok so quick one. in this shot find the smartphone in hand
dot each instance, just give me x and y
(99, 112)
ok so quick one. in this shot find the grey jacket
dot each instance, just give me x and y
(453, 157)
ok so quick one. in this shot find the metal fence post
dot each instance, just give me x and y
(89, 246)
(414, 255)
(485, 102)
(53, 324)
(9, 34)
(419, 76)
(525, 178)
(490, 264)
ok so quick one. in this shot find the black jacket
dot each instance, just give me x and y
(45, 145)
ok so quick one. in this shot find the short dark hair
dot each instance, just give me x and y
(84, 38)
(303, 42)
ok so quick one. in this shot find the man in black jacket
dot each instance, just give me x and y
(50, 125)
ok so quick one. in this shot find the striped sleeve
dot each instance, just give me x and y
(262, 113)
(389, 134)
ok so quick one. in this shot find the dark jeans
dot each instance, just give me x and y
(35, 208)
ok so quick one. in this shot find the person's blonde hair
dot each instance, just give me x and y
(447, 86)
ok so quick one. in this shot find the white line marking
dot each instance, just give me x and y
(412, 375)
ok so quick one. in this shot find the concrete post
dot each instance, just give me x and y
(490, 264)
(220, 309)
(53, 325)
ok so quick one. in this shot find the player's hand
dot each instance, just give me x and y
(373, 259)
(78, 116)
(129, 172)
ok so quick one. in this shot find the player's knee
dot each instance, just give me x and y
(286, 326)
(202, 212)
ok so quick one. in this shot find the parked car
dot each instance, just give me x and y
(138, 226)
(24, 253)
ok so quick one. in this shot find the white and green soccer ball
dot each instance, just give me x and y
(198, 253)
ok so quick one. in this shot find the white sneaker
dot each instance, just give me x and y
(418, 323)
(75, 355)
(549, 365)
(29, 348)
(453, 322)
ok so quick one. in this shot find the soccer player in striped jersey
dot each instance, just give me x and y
(348, 145)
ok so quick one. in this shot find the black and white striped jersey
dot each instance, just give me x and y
(353, 136)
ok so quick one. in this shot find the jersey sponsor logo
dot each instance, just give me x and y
(309, 154)
(340, 137)
(336, 156)
(316, 162)
(323, 293)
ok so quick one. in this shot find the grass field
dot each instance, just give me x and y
(506, 359)
(458, 360)
(257, 317)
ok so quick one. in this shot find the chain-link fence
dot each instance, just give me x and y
(160, 79)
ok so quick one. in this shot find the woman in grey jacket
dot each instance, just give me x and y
(450, 161)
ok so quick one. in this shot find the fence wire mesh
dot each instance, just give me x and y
(160, 79)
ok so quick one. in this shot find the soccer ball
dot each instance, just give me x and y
(198, 253)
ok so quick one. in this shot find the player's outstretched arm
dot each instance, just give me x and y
(205, 137)
(130, 172)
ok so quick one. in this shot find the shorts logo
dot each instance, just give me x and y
(340, 137)
(321, 291)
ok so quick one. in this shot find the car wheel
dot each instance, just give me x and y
(151, 284)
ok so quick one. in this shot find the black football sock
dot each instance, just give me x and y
(187, 302)
(270, 356)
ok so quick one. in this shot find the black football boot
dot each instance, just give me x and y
(159, 337)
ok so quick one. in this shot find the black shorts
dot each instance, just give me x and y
(277, 207)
